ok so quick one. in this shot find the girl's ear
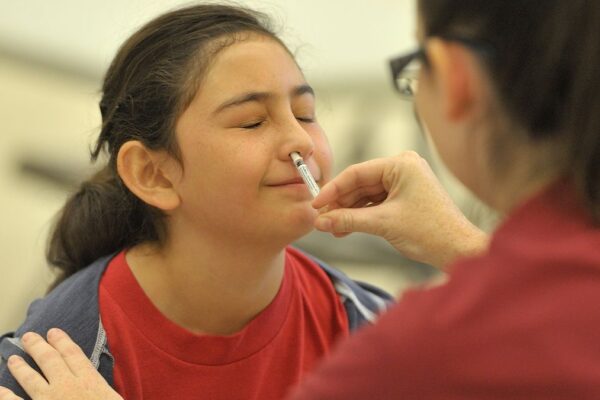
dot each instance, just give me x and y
(458, 75)
(148, 174)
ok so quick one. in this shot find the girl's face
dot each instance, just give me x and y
(253, 108)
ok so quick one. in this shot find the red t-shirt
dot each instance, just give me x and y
(521, 322)
(155, 358)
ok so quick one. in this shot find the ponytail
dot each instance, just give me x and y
(101, 218)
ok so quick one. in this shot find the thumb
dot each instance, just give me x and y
(347, 220)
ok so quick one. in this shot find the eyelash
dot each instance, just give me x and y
(259, 123)
(252, 126)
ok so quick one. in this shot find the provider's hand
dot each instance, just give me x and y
(69, 374)
(400, 199)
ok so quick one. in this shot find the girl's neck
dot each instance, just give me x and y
(208, 287)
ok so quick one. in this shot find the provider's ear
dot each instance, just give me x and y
(459, 78)
(148, 174)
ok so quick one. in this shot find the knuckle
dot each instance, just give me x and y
(353, 170)
(347, 222)
(26, 375)
(45, 356)
(411, 157)
(70, 350)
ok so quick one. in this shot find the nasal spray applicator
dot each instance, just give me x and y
(305, 174)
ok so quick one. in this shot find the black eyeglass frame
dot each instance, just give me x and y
(399, 64)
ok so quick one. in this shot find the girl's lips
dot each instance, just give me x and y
(292, 181)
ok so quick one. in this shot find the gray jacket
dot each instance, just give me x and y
(73, 307)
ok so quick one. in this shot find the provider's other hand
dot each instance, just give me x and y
(400, 199)
(69, 375)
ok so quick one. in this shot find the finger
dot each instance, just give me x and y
(347, 220)
(46, 357)
(368, 193)
(340, 234)
(368, 173)
(7, 394)
(71, 353)
(31, 381)
(369, 201)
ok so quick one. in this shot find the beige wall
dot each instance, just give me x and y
(43, 116)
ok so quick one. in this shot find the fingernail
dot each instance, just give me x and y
(14, 360)
(323, 224)
(54, 333)
(26, 338)
(323, 209)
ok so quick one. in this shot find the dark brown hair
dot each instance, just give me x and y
(545, 69)
(150, 82)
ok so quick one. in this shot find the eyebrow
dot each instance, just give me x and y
(260, 97)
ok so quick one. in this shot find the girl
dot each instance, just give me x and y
(176, 275)
(510, 94)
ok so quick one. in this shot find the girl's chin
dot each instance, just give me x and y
(299, 223)
(302, 216)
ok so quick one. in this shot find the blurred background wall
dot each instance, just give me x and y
(52, 58)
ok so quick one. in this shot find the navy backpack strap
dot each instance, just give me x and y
(363, 302)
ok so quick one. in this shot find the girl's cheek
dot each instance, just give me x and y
(325, 161)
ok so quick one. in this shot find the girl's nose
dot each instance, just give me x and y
(296, 138)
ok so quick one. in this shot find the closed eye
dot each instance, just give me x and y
(252, 126)
(307, 120)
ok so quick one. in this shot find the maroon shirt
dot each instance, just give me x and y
(520, 322)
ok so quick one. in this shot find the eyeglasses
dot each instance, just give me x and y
(405, 68)
(405, 71)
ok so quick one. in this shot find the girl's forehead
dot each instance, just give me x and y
(258, 66)
(251, 62)
(254, 49)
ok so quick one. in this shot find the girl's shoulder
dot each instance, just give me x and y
(71, 306)
(362, 301)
